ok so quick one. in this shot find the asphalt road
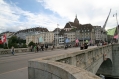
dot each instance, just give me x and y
(15, 67)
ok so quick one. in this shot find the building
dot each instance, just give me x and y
(71, 36)
(43, 37)
(8, 34)
(98, 34)
(23, 33)
(84, 32)
(57, 36)
(71, 25)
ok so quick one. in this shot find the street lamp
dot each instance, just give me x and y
(117, 27)
(57, 34)
(83, 36)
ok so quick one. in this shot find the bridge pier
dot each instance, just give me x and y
(115, 57)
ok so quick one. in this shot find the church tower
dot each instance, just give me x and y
(76, 21)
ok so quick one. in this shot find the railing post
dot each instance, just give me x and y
(86, 59)
(73, 60)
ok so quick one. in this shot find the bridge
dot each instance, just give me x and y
(75, 64)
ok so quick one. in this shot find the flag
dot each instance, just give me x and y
(67, 40)
(41, 40)
(1, 42)
(77, 41)
(3, 39)
(111, 31)
(116, 36)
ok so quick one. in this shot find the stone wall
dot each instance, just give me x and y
(44, 69)
(115, 56)
(70, 65)
(17, 50)
(22, 50)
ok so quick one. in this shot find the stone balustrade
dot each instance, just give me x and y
(72, 65)
(22, 50)
(17, 50)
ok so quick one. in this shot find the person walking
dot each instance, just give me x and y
(12, 50)
(52, 47)
(46, 46)
(35, 49)
(42, 47)
(31, 48)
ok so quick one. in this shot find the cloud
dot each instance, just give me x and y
(14, 18)
(88, 11)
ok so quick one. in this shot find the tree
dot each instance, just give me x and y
(16, 42)
(31, 43)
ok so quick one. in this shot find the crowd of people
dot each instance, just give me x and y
(40, 47)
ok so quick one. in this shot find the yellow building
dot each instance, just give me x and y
(43, 37)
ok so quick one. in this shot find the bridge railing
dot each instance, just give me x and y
(67, 65)
(17, 50)
(22, 50)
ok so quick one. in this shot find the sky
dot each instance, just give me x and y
(17, 15)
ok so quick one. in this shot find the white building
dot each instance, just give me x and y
(23, 33)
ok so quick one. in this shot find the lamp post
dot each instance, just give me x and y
(83, 36)
(57, 34)
(117, 27)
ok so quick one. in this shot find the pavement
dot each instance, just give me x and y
(22, 73)
(15, 54)
(15, 74)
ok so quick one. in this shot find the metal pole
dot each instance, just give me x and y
(57, 34)
(117, 27)
(83, 37)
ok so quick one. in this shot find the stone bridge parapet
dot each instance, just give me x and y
(72, 65)
(17, 50)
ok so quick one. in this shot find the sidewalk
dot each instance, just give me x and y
(7, 55)
(24, 53)
(15, 74)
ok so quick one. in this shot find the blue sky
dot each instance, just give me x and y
(21, 14)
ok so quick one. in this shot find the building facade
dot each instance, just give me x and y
(23, 33)
(71, 36)
(83, 32)
(43, 37)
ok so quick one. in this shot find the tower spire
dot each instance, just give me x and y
(76, 21)
(76, 15)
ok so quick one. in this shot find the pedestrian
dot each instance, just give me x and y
(46, 46)
(35, 49)
(31, 48)
(42, 47)
(12, 50)
(82, 46)
(52, 47)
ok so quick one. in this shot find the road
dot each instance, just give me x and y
(15, 67)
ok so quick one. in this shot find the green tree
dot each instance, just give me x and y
(31, 43)
(16, 42)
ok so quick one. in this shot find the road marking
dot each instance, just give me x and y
(12, 71)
